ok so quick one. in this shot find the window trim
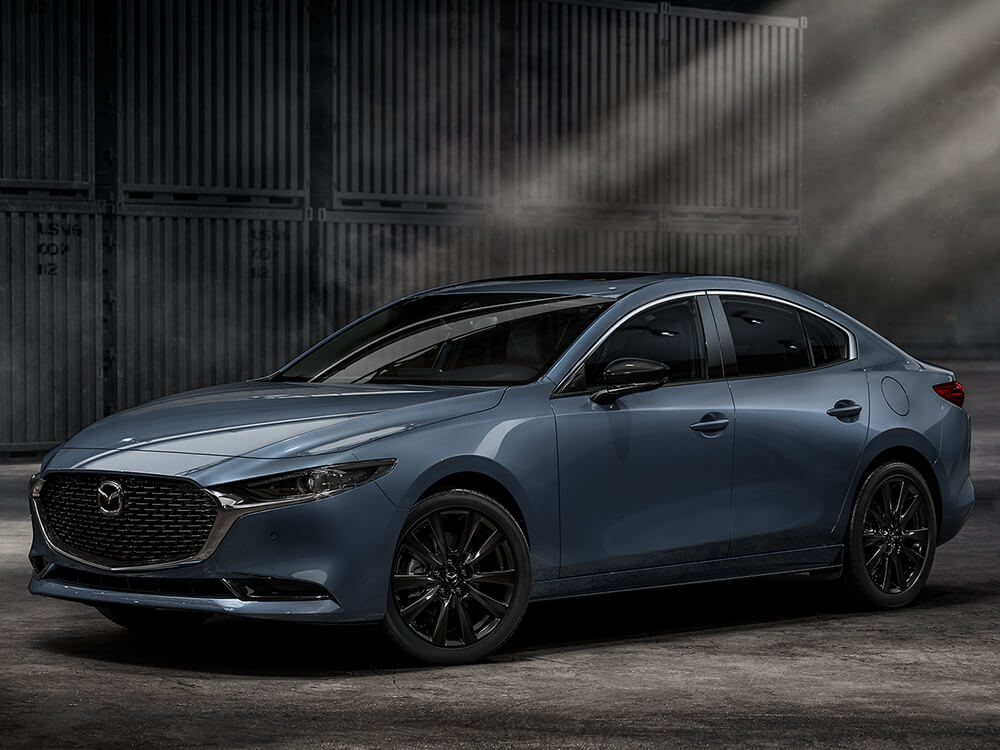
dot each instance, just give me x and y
(852, 343)
(559, 392)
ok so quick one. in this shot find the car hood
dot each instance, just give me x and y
(279, 420)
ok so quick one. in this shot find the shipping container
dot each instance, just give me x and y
(767, 253)
(204, 297)
(734, 110)
(214, 101)
(52, 301)
(540, 245)
(631, 103)
(370, 259)
(590, 94)
(416, 102)
(46, 99)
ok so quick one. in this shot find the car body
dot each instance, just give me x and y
(746, 461)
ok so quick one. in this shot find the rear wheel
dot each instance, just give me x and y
(147, 621)
(460, 579)
(892, 537)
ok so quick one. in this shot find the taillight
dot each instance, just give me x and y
(952, 391)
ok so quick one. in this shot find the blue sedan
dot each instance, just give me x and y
(448, 458)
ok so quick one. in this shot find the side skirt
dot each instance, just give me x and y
(810, 560)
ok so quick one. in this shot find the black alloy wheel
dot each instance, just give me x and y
(892, 537)
(460, 579)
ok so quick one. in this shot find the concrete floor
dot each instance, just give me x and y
(756, 664)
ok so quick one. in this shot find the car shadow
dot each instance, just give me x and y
(249, 647)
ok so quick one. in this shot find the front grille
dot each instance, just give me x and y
(163, 520)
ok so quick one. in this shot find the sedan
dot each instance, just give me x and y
(444, 460)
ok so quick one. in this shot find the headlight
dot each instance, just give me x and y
(35, 485)
(301, 486)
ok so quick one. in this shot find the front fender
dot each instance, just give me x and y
(513, 445)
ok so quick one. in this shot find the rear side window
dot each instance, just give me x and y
(670, 333)
(768, 336)
(827, 343)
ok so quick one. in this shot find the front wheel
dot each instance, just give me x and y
(460, 579)
(892, 537)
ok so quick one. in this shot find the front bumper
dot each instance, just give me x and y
(343, 544)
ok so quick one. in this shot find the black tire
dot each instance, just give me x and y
(153, 622)
(891, 538)
(460, 579)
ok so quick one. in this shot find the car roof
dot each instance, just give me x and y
(598, 284)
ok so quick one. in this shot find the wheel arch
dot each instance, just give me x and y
(907, 454)
(487, 485)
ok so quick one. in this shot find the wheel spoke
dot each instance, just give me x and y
(405, 581)
(897, 510)
(915, 503)
(491, 605)
(417, 606)
(422, 552)
(885, 573)
(437, 532)
(897, 569)
(871, 537)
(913, 555)
(488, 546)
(468, 531)
(468, 632)
(441, 625)
(885, 506)
(502, 577)
(875, 558)
(915, 535)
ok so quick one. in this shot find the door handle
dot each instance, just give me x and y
(711, 423)
(844, 409)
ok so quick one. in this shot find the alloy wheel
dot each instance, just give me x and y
(896, 535)
(454, 577)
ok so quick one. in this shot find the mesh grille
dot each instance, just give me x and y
(163, 520)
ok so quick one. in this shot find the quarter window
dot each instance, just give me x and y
(670, 333)
(827, 343)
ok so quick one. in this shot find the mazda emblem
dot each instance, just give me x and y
(110, 498)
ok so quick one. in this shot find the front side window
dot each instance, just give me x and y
(771, 338)
(670, 333)
(452, 339)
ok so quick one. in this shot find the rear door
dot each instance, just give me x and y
(801, 400)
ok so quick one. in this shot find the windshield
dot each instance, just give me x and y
(451, 339)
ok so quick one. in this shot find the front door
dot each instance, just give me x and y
(645, 481)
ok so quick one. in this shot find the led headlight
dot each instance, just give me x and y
(301, 486)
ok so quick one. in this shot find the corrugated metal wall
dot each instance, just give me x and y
(456, 139)
(733, 99)
(213, 100)
(46, 99)
(51, 357)
(204, 297)
(369, 260)
(590, 115)
(416, 105)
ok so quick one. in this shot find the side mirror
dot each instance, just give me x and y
(630, 375)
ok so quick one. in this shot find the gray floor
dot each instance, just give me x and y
(755, 664)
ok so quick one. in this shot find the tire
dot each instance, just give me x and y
(891, 538)
(460, 579)
(153, 622)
